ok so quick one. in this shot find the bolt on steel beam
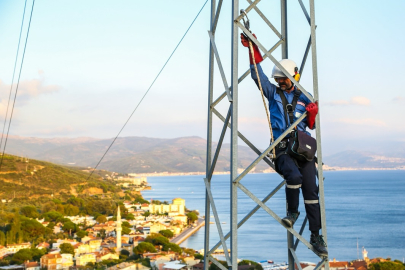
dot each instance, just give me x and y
(231, 122)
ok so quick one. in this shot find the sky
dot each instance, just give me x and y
(88, 64)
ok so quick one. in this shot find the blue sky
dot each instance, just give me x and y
(88, 63)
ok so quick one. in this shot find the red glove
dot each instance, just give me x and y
(312, 109)
(257, 54)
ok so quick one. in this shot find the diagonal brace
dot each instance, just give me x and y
(213, 260)
(217, 222)
(301, 231)
(246, 73)
(277, 218)
(320, 264)
(305, 11)
(295, 258)
(214, 47)
(243, 138)
(254, 210)
(221, 139)
(214, 24)
(266, 20)
(249, 8)
(257, 160)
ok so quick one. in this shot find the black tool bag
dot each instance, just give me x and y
(301, 146)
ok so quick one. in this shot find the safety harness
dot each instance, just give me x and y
(289, 108)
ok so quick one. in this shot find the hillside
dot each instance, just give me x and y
(28, 178)
(131, 154)
(178, 155)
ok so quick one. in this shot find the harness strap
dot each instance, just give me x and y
(289, 108)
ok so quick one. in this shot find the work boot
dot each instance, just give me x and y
(290, 219)
(319, 245)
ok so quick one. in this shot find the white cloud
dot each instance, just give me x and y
(27, 90)
(357, 101)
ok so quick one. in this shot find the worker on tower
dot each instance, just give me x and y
(298, 174)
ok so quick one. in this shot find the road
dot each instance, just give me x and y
(188, 232)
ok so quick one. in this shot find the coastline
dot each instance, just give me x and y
(325, 168)
(188, 232)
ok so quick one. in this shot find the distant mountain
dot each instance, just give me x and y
(363, 159)
(178, 155)
(130, 154)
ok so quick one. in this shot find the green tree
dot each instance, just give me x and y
(124, 252)
(126, 230)
(69, 227)
(387, 266)
(81, 234)
(38, 253)
(71, 210)
(101, 219)
(172, 247)
(29, 211)
(191, 217)
(144, 247)
(130, 217)
(53, 216)
(67, 248)
(51, 225)
(2, 238)
(21, 256)
(166, 233)
(254, 265)
(189, 251)
(32, 228)
(198, 256)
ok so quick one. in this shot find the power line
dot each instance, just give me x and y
(157, 76)
(18, 83)
(12, 80)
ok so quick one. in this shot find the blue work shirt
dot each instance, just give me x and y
(277, 118)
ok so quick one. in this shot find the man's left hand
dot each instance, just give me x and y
(312, 110)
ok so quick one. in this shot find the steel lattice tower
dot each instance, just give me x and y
(231, 121)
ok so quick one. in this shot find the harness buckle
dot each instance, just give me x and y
(289, 108)
(282, 145)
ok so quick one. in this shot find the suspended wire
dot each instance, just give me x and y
(18, 83)
(12, 80)
(139, 103)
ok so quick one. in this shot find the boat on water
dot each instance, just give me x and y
(270, 261)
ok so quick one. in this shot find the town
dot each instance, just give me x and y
(139, 235)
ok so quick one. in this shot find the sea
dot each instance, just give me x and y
(363, 209)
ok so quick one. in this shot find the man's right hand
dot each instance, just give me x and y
(245, 40)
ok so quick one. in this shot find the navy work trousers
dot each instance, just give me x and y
(303, 177)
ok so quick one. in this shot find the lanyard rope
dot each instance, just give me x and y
(261, 92)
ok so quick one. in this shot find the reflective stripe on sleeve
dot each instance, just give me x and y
(311, 201)
(293, 186)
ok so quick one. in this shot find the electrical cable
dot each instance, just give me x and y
(12, 80)
(157, 76)
(18, 83)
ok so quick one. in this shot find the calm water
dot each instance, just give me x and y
(364, 205)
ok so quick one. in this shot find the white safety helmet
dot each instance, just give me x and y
(288, 64)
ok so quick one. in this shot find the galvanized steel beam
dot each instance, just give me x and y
(232, 92)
